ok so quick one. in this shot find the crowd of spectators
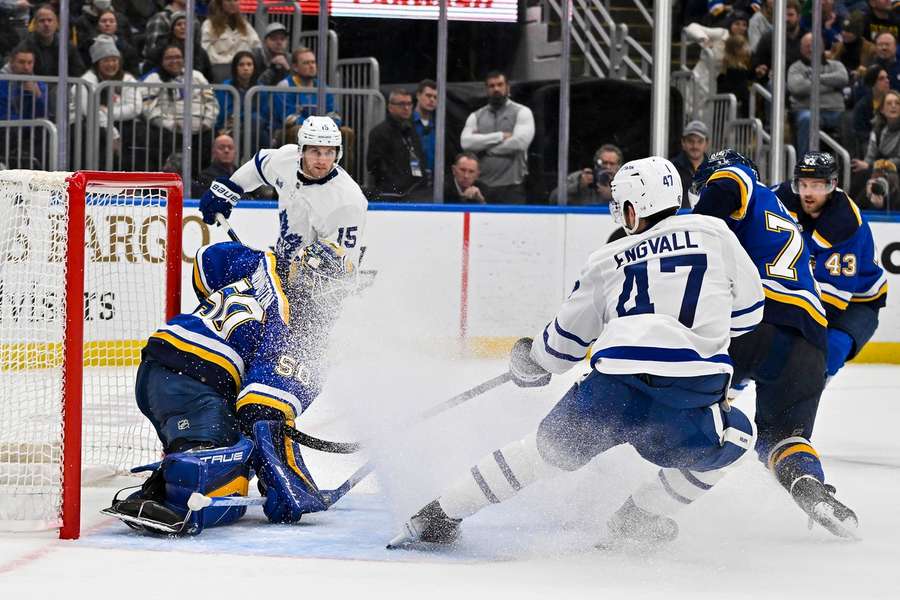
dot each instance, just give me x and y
(132, 41)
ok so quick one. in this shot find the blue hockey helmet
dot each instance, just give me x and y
(716, 161)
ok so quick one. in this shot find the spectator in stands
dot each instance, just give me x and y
(882, 188)
(163, 108)
(108, 25)
(760, 24)
(832, 79)
(423, 119)
(396, 161)
(243, 77)
(463, 187)
(886, 56)
(22, 100)
(591, 185)
(296, 106)
(694, 144)
(224, 153)
(119, 105)
(178, 36)
(139, 13)
(273, 58)
(879, 18)
(876, 83)
(500, 134)
(738, 22)
(44, 40)
(712, 39)
(225, 33)
(720, 11)
(159, 26)
(832, 22)
(87, 25)
(762, 58)
(884, 141)
(853, 49)
(736, 75)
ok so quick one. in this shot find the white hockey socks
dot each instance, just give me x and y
(496, 477)
(673, 489)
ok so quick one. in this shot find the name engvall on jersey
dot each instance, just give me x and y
(677, 240)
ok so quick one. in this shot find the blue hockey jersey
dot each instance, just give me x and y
(845, 263)
(239, 340)
(773, 241)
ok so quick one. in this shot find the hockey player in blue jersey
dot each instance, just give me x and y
(785, 355)
(219, 384)
(853, 285)
(658, 309)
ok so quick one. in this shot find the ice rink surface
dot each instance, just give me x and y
(745, 539)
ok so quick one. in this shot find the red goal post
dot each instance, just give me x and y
(90, 265)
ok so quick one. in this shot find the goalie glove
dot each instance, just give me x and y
(221, 197)
(525, 371)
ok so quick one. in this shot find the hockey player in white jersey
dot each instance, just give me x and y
(658, 308)
(317, 199)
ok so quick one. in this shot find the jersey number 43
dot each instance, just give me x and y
(637, 284)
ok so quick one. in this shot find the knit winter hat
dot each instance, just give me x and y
(103, 47)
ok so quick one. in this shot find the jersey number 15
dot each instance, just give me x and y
(636, 277)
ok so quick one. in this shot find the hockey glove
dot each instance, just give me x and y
(221, 196)
(839, 347)
(525, 371)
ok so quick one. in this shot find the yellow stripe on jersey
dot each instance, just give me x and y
(881, 292)
(833, 300)
(283, 305)
(203, 353)
(820, 239)
(856, 212)
(292, 463)
(742, 186)
(239, 485)
(800, 302)
(276, 403)
(795, 449)
(198, 281)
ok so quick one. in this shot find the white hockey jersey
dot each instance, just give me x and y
(664, 302)
(333, 208)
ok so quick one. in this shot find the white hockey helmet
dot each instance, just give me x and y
(320, 131)
(650, 185)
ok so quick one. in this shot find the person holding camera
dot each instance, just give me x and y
(591, 185)
(879, 167)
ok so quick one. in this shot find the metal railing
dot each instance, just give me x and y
(359, 73)
(21, 103)
(276, 111)
(48, 145)
(842, 155)
(686, 85)
(310, 39)
(719, 111)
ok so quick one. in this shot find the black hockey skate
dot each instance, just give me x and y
(818, 501)
(431, 525)
(634, 525)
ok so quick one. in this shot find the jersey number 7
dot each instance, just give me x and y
(636, 277)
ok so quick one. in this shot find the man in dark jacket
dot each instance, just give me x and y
(762, 58)
(44, 40)
(464, 187)
(396, 160)
(694, 144)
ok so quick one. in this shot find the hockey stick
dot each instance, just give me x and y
(315, 443)
(223, 222)
(198, 501)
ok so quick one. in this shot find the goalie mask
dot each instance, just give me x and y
(321, 273)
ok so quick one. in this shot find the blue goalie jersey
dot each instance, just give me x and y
(239, 340)
(773, 241)
(844, 258)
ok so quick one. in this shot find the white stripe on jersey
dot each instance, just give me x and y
(876, 287)
(809, 297)
(267, 390)
(830, 289)
(208, 342)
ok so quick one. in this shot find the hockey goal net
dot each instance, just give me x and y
(90, 265)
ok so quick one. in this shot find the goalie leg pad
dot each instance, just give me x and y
(289, 488)
(161, 504)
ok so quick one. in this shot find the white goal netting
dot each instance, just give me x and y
(124, 301)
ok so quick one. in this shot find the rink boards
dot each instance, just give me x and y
(488, 275)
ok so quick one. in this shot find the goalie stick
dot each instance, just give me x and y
(331, 496)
